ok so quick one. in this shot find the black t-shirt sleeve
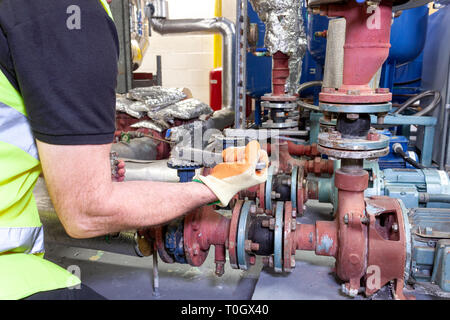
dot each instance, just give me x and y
(66, 68)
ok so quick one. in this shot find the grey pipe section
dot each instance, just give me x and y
(444, 113)
(209, 26)
(427, 197)
(54, 233)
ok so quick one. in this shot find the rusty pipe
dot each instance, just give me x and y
(317, 166)
(298, 149)
(366, 41)
(280, 73)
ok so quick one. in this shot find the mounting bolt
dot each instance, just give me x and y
(346, 218)
(365, 220)
(395, 227)
(382, 90)
(271, 223)
(220, 270)
(254, 246)
(293, 225)
(248, 245)
(252, 260)
(252, 210)
(265, 223)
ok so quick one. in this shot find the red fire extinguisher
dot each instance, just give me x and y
(215, 89)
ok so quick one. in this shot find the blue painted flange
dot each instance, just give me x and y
(242, 235)
(278, 238)
(294, 178)
(268, 189)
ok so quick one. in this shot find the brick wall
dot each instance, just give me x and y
(186, 59)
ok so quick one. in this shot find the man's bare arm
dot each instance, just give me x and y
(89, 204)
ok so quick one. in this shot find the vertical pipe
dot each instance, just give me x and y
(446, 107)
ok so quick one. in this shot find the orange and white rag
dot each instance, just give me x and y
(237, 172)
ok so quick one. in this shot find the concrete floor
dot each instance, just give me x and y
(117, 276)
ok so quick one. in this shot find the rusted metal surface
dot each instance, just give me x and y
(160, 245)
(351, 261)
(326, 241)
(386, 245)
(302, 195)
(317, 166)
(203, 228)
(305, 237)
(298, 149)
(365, 51)
(347, 154)
(280, 73)
(288, 238)
(232, 237)
(357, 181)
(362, 244)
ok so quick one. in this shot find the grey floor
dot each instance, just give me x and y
(117, 276)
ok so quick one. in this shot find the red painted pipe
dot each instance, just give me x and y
(366, 40)
(298, 149)
(317, 166)
(280, 72)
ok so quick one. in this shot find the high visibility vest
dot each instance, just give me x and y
(23, 271)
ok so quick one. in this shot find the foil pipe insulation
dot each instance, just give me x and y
(209, 26)
(284, 33)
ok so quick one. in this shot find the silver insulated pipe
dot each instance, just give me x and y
(209, 26)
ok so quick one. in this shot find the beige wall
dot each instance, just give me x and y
(186, 59)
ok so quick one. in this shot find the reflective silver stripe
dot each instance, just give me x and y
(15, 130)
(27, 240)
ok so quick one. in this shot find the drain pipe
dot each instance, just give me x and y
(209, 26)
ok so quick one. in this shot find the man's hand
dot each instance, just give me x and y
(238, 172)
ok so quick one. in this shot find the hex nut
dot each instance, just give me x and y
(272, 224)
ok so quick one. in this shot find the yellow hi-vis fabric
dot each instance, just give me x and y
(23, 270)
